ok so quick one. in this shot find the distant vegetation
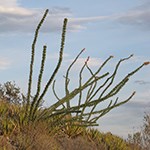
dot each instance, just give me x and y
(141, 140)
(26, 125)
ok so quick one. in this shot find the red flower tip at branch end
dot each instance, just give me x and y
(47, 10)
(83, 50)
(87, 59)
(134, 93)
(146, 63)
(131, 55)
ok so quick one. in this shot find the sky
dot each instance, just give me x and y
(103, 28)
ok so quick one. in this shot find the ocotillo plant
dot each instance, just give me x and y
(94, 92)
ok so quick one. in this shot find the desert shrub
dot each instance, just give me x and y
(106, 140)
(94, 135)
(8, 113)
(11, 93)
(146, 132)
(141, 139)
(34, 137)
(115, 143)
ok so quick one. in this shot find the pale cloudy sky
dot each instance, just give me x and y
(104, 28)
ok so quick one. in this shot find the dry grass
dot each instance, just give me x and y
(40, 136)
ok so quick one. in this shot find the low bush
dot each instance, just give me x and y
(141, 140)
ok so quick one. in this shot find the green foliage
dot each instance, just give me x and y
(94, 135)
(6, 123)
(32, 107)
(10, 93)
(11, 117)
(115, 143)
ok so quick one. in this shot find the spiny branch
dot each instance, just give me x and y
(32, 61)
(59, 62)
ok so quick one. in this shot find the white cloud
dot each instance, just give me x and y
(139, 16)
(144, 95)
(25, 20)
(88, 19)
(77, 24)
(15, 18)
(4, 63)
(142, 82)
(8, 3)
(55, 56)
(18, 19)
(139, 59)
(93, 62)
